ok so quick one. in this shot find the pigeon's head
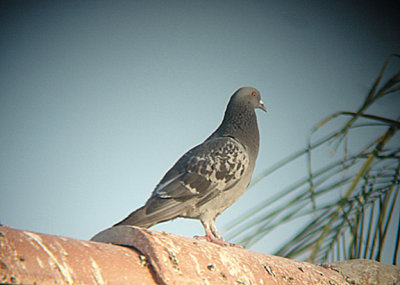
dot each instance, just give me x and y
(249, 96)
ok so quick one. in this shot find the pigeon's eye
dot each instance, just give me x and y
(254, 94)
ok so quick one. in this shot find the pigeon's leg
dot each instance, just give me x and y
(214, 231)
(219, 237)
(210, 235)
(213, 236)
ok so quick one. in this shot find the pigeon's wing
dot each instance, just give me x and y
(198, 176)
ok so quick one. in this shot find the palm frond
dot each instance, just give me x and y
(363, 181)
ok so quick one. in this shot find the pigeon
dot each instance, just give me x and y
(211, 176)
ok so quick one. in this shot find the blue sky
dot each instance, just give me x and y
(99, 99)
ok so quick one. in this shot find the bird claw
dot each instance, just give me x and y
(218, 241)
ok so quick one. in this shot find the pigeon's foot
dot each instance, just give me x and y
(236, 245)
(215, 240)
(213, 236)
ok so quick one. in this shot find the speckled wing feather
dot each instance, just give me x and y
(201, 174)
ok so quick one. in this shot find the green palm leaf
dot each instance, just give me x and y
(356, 223)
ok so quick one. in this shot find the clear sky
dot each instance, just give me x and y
(99, 98)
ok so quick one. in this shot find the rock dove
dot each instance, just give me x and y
(211, 176)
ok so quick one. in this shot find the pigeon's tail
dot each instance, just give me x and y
(140, 217)
(155, 211)
(137, 218)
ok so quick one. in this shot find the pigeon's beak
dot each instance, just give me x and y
(261, 106)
